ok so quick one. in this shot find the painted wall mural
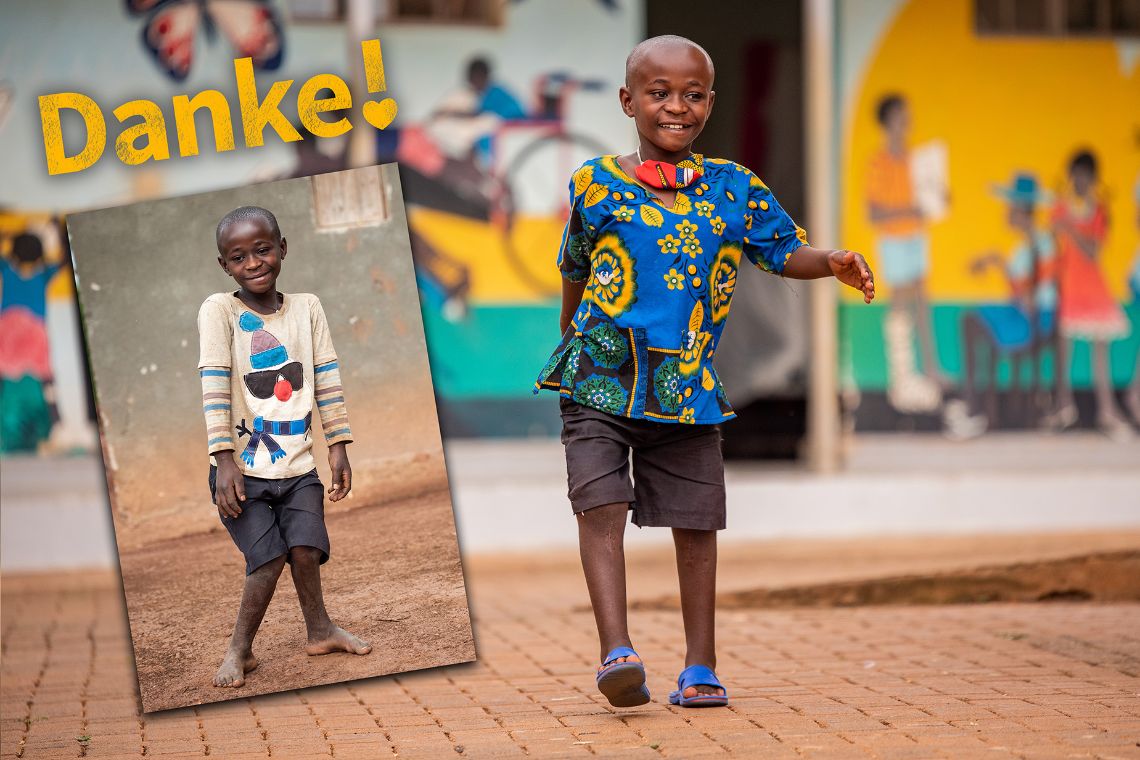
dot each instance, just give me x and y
(995, 182)
(486, 149)
(43, 394)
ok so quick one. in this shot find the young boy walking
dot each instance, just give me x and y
(649, 262)
(265, 358)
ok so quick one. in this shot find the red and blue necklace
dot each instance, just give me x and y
(665, 176)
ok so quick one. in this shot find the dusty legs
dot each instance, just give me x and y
(601, 534)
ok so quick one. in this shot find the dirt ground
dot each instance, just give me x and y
(1103, 577)
(394, 579)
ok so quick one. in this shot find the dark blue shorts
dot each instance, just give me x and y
(276, 516)
(678, 469)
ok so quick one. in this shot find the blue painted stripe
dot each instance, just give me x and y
(338, 432)
(215, 372)
(222, 439)
(216, 407)
(327, 367)
(331, 401)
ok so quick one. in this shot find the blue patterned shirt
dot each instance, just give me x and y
(659, 284)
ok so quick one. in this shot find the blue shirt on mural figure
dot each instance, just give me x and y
(26, 288)
(659, 285)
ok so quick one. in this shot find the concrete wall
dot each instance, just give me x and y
(143, 272)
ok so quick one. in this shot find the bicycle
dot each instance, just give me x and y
(539, 171)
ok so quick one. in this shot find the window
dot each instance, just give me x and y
(472, 12)
(353, 198)
(308, 11)
(1058, 18)
(456, 12)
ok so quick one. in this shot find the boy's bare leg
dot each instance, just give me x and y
(696, 568)
(259, 588)
(601, 542)
(324, 636)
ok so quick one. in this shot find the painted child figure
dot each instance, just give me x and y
(266, 357)
(649, 262)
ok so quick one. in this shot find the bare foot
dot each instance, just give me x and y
(233, 670)
(632, 658)
(339, 640)
(703, 690)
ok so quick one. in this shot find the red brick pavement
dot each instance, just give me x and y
(991, 681)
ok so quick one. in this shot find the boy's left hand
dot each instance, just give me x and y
(851, 269)
(341, 472)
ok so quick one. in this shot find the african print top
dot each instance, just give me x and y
(659, 284)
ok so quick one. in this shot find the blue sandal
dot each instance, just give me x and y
(698, 675)
(623, 683)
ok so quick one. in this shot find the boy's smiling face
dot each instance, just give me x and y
(251, 252)
(669, 95)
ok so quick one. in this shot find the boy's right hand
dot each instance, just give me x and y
(229, 485)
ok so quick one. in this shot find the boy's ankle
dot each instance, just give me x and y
(321, 632)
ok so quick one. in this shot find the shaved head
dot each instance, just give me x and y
(639, 54)
(243, 213)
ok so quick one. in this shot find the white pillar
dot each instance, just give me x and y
(823, 424)
(360, 19)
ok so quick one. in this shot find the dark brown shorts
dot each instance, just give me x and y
(277, 515)
(678, 470)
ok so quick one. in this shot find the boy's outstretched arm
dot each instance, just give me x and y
(848, 267)
(571, 299)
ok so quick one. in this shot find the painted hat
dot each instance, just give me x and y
(1023, 189)
(265, 351)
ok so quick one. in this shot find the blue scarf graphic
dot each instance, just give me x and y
(261, 434)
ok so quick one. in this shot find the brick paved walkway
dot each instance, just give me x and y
(996, 681)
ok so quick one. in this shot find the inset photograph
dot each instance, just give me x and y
(270, 438)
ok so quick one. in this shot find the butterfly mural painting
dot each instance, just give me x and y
(171, 28)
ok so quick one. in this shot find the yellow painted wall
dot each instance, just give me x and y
(1001, 104)
(522, 272)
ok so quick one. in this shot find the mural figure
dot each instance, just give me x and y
(1018, 329)
(27, 398)
(1087, 309)
(455, 163)
(1132, 395)
(903, 248)
(449, 160)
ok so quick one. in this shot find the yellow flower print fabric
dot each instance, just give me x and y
(659, 283)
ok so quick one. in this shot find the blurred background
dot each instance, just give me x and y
(983, 154)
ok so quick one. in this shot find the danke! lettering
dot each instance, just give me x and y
(143, 136)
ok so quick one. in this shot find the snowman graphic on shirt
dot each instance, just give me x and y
(275, 394)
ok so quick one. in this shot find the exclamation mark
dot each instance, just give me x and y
(378, 114)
